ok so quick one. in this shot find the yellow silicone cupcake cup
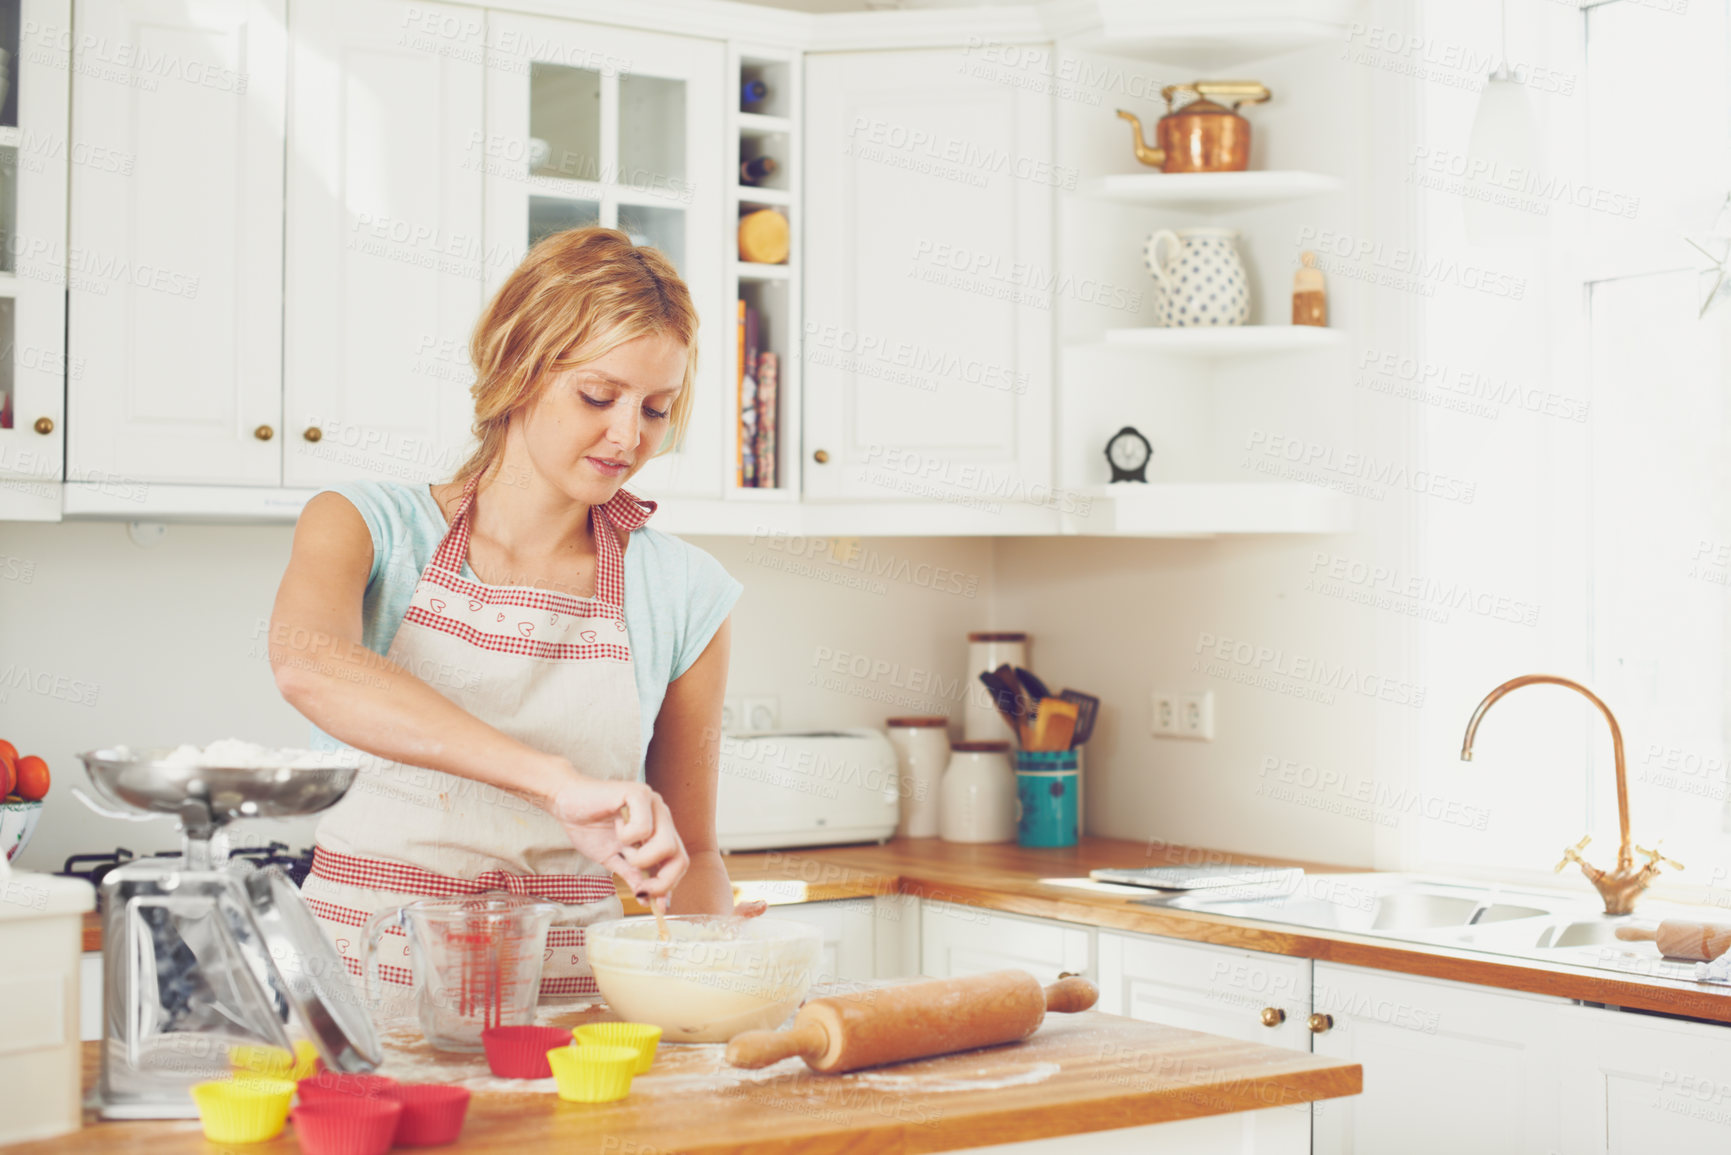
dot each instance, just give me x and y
(640, 1037)
(245, 1109)
(592, 1072)
(274, 1062)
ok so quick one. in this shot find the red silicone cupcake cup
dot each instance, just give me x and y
(342, 1084)
(521, 1052)
(346, 1125)
(432, 1113)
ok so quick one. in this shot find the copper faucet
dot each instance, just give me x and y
(1622, 886)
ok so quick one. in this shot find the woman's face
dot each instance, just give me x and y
(594, 426)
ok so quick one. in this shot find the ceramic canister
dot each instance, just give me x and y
(1201, 280)
(978, 798)
(922, 747)
(987, 650)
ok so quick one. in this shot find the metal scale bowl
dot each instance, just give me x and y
(203, 953)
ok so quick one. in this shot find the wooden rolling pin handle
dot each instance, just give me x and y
(755, 1049)
(1070, 995)
(1637, 933)
(1683, 938)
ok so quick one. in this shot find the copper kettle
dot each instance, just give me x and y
(1202, 136)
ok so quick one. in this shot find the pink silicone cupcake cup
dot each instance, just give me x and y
(432, 1113)
(521, 1052)
(346, 1125)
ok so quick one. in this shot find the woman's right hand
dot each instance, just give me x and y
(626, 827)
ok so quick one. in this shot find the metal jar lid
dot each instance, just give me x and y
(311, 974)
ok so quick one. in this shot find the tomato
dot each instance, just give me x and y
(32, 777)
(8, 770)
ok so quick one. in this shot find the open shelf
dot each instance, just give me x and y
(1227, 340)
(759, 195)
(757, 124)
(1212, 191)
(1212, 37)
(1132, 509)
(750, 272)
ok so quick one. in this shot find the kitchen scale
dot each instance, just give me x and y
(203, 952)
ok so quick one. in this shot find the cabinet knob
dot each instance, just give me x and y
(313, 433)
(264, 433)
(44, 425)
(1319, 1023)
(1273, 1016)
(821, 456)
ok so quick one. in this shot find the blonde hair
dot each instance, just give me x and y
(577, 296)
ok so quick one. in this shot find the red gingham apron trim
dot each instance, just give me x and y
(569, 986)
(345, 915)
(525, 597)
(508, 644)
(396, 976)
(557, 938)
(623, 510)
(377, 874)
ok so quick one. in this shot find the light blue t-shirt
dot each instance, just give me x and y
(676, 595)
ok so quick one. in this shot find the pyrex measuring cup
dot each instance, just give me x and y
(476, 961)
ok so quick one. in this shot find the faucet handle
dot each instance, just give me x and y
(1573, 854)
(1654, 856)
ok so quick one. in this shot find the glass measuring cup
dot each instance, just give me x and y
(476, 961)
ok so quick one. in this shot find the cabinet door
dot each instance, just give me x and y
(597, 125)
(383, 264)
(175, 302)
(960, 940)
(1637, 1083)
(849, 936)
(1447, 1067)
(1224, 992)
(928, 251)
(33, 163)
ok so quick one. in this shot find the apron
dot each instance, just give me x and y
(550, 670)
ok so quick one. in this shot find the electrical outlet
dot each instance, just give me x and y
(1196, 716)
(759, 713)
(732, 716)
(1165, 724)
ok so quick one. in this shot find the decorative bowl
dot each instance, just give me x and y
(17, 823)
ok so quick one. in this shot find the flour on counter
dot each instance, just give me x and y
(882, 1080)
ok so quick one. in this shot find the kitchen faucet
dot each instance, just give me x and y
(1622, 886)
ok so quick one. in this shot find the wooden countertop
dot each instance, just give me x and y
(1015, 879)
(1079, 1073)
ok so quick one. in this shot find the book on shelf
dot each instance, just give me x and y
(748, 403)
(768, 385)
(739, 394)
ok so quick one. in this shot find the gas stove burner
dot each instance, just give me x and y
(93, 868)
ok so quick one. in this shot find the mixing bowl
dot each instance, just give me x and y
(717, 976)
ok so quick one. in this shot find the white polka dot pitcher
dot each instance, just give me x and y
(1200, 279)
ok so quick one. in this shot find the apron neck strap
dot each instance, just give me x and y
(622, 511)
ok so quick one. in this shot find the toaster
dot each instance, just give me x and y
(783, 789)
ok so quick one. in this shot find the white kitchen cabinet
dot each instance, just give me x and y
(1249, 995)
(33, 164)
(603, 125)
(1447, 1067)
(1636, 1083)
(175, 262)
(383, 268)
(928, 264)
(849, 929)
(960, 940)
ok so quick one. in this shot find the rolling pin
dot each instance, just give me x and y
(1683, 938)
(913, 1021)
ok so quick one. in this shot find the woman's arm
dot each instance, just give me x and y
(324, 671)
(683, 765)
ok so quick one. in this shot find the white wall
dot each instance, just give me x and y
(164, 645)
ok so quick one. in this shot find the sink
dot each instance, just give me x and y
(1366, 904)
(1588, 932)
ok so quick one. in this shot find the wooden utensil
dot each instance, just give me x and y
(1683, 938)
(1087, 709)
(913, 1021)
(1054, 723)
(1005, 697)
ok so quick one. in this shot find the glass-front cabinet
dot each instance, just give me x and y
(34, 155)
(589, 125)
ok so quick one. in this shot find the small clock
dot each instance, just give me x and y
(1127, 453)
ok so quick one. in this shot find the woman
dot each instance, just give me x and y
(547, 709)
